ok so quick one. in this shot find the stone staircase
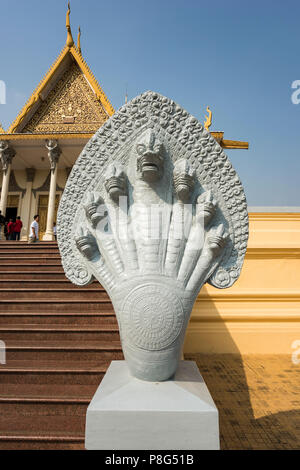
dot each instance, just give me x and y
(59, 340)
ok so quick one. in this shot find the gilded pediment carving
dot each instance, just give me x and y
(71, 106)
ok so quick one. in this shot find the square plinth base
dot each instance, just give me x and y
(128, 413)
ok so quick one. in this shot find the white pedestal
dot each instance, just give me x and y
(128, 413)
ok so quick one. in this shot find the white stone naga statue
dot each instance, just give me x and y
(153, 209)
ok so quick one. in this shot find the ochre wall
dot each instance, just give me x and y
(260, 313)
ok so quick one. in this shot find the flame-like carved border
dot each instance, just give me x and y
(186, 138)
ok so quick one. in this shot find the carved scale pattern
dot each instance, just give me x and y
(186, 138)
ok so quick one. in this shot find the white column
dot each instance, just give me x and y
(4, 190)
(53, 154)
(26, 206)
(6, 156)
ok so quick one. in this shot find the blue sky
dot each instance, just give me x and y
(239, 57)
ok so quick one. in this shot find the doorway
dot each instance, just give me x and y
(43, 211)
(12, 207)
(11, 213)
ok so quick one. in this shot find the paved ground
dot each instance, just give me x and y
(258, 398)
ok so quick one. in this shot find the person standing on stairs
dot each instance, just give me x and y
(10, 229)
(18, 228)
(34, 230)
(54, 231)
(6, 231)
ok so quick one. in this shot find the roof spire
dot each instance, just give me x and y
(208, 121)
(70, 41)
(78, 40)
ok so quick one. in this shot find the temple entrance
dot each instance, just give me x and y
(11, 213)
(12, 207)
(43, 211)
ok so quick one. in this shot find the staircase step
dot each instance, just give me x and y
(23, 255)
(28, 251)
(58, 350)
(44, 392)
(33, 275)
(60, 340)
(19, 442)
(43, 407)
(59, 332)
(45, 400)
(42, 426)
(28, 260)
(24, 244)
(53, 318)
(47, 294)
(57, 306)
(39, 284)
(31, 267)
(61, 373)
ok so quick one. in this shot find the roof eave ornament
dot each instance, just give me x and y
(208, 120)
(78, 40)
(70, 41)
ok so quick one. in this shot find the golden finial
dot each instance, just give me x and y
(78, 40)
(70, 41)
(208, 121)
(126, 96)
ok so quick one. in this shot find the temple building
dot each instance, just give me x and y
(57, 339)
(42, 144)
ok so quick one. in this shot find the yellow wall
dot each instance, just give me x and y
(260, 313)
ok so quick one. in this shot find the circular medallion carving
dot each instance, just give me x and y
(153, 317)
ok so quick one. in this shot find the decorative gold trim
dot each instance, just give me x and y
(252, 317)
(15, 136)
(78, 41)
(275, 216)
(249, 296)
(20, 137)
(272, 253)
(2, 131)
(101, 96)
(218, 136)
(35, 95)
(234, 144)
(208, 120)
(71, 106)
(76, 54)
(70, 40)
(229, 144)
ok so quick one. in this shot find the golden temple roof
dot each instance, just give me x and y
(70, 54)
(69, 102)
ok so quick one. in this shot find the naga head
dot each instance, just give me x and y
(91, 209)
(206, 206)
(150, 158)
(184, 179)
(86, 244)
(115, 181)
(217, 239)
